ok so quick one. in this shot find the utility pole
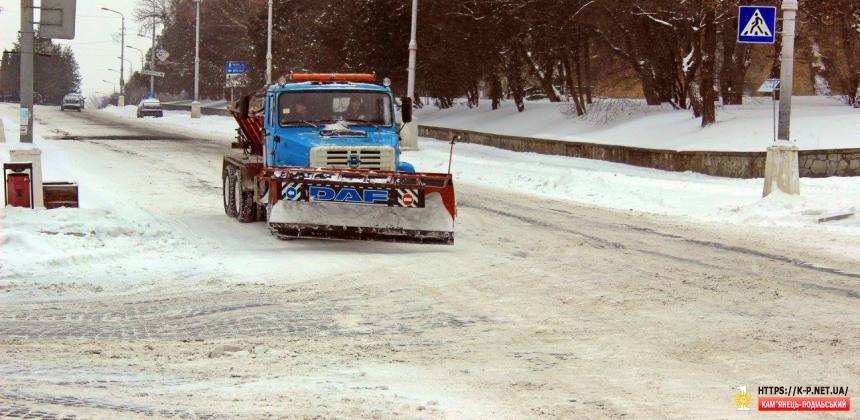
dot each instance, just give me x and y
(195, 105)
(121, 100)
(782, 162)
(269, 48)
(409, 133)
(413, 50)
(26, 57)
(152, 56)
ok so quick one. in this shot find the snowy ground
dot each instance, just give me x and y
(721, 203)
(148, 301)
(817, 123)
(215, 126)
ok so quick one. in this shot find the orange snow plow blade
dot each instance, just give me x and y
(362, 205)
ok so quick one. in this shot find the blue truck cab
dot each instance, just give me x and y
(332, 124)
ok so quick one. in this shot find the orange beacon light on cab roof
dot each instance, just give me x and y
(332, 77)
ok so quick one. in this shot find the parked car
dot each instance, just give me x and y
(72, 101)
(150, 107)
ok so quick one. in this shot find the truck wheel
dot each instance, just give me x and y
(245, 206)
(228, 186)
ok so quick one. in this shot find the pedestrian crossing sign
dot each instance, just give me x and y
(757, 25)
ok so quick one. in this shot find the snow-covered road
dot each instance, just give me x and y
(149, 301)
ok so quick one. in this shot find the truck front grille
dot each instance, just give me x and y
(357, 157)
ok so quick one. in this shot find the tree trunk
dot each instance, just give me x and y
(695, 100)
(589, 79)
(709, 51)
(544, 76)
(734, 67)
(575, 93)
(474, 95)
(496, 90)
(515, 81)
(649, 89)
(853, 76)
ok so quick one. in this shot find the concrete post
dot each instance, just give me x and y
(782, 162)
(2, 132)
(26, 57)
(782, 168)
(35, 157)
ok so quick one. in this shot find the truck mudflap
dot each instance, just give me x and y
(361, 205)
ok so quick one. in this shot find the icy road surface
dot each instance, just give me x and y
(150, 302)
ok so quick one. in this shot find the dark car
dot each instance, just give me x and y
(72, 101)
(150, 107)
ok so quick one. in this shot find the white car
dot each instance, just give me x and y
(72, 101)
(149, 107)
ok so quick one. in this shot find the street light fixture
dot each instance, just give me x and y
(112, 86)
(142, 55)
(121, 57)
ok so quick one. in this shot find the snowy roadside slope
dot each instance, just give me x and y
(817, 123)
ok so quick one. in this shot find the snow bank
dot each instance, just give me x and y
(817, 123)
(71, 241)
(721, 202)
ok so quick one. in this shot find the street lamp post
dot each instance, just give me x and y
(121, 58)
(410, 132)
(195, 105)
(413, 50)
(26, 71)
(269, 48)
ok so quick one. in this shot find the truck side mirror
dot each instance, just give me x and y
(406, 109)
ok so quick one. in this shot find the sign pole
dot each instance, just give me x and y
(789, 13)
(782, 168)
(773, 122)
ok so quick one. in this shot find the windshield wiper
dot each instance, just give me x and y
(302, 122)
(365, 122)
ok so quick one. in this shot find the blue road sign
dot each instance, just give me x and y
(757, 25)
(237, 67)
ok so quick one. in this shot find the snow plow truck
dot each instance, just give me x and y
(318, 156)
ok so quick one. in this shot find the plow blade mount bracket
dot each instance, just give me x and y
(362, 205)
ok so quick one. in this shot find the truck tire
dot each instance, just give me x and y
(245, 206)
(228, 186)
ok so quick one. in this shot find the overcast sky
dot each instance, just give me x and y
(94, 44)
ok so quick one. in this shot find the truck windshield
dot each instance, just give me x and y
(360, 108)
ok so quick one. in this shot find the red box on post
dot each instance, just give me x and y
(19, 184)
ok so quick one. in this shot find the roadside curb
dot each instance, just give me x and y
(813, 163)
